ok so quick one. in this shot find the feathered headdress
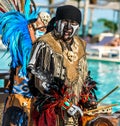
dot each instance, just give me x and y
(15, 15)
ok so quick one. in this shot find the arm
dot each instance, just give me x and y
(37, 68)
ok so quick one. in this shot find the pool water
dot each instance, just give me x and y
(105, 73)
(4, 63)
(107, 76)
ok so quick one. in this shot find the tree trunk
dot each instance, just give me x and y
(51, 9)
(85, 17)
(90, 22)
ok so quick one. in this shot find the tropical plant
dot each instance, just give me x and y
(112, 26)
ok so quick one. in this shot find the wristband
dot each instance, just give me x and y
(65, 103)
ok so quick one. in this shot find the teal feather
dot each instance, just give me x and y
(15, 35)
(27, 8)
(15, 32)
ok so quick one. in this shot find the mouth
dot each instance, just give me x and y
(67, 33)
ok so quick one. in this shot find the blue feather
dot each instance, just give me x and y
(27, 8)
(15, 35)
(33, 15)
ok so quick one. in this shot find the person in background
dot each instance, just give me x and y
(17, 37)
(58, 61)
(38, 28)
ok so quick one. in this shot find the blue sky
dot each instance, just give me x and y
(104, 13)
(98, 13)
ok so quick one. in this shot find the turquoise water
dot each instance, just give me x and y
(4, 63)
(105, 73)
(4, 60)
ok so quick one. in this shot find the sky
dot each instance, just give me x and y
(98, 13)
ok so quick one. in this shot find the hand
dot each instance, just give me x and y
(46, 86)
(73, 110)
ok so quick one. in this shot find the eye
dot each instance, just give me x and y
(64, 22)
(74, 23)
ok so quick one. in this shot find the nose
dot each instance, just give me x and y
(68, 25)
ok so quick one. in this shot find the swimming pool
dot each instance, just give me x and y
(105, 73)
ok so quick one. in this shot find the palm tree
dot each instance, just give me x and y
(91, 15)
(112, 26)
(78, 1)
(51, 9)
(85, 11)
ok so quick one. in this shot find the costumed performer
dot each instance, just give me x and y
(65, 88)
(15, 18)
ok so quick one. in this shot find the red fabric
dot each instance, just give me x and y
(46, 118)
(35, 116)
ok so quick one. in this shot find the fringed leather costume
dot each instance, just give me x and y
(53, 62)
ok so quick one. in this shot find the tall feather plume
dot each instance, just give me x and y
(17, 39)
(14, 19)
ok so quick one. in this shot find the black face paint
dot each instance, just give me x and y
(66, 29)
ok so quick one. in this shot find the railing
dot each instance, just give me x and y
(4, 75)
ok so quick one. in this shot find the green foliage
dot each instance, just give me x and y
(109, 24)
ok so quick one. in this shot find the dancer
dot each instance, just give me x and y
(58, 61)
(15, 18)
(38, 28)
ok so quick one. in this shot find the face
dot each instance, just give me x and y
(39, 25)
(39, 28)
(67, 29)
